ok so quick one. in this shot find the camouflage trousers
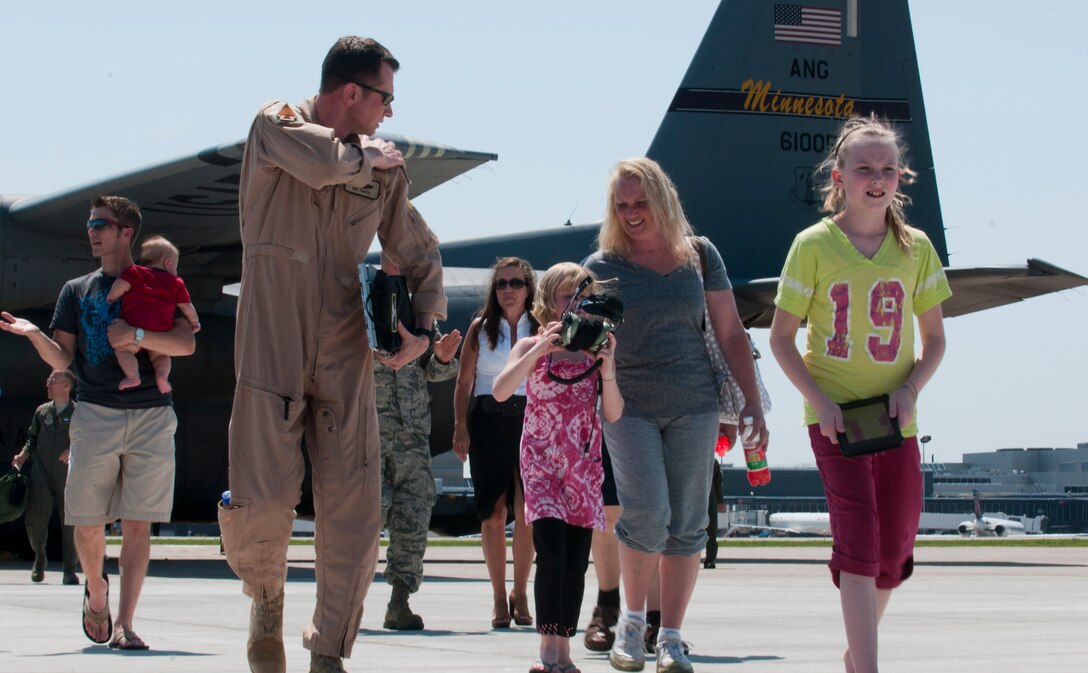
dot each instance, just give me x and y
(408, 496)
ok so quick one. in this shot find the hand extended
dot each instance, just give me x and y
(19, 326)
(382, 153)
(19, 459)
(446, 346)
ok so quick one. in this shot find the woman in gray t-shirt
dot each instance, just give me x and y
(661, 448)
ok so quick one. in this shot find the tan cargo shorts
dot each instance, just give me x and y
(121, 465)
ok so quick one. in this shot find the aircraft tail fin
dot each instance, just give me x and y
(760, 107)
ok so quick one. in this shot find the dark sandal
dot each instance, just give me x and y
(500, 617)
(127, 640)
(542, 667)
(519, 610)
(96, 618)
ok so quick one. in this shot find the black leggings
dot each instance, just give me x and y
(562, 557)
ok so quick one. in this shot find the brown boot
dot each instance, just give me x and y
(599, 633)
(398, 616)
(321, 663)
(265, 645)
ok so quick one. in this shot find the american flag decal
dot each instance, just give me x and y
(808, 25)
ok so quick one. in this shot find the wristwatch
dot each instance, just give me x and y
(139, 336)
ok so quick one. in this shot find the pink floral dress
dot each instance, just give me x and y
(561, 446)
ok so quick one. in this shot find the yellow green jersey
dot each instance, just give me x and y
(860, 340)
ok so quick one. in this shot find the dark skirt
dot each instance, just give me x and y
(494, 431)
(608, 487)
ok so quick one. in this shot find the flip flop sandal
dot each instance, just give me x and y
(127, 640)
(541, 667)
(96, 618)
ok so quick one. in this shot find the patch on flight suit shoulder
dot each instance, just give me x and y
(370, 191)
(286, 115)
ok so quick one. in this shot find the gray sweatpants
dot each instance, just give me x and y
(661, 469)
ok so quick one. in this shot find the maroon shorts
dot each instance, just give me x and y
(875, 502)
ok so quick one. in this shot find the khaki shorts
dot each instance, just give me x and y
(121, 465)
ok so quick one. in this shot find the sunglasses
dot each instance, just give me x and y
(387, 98)
(513, 284)
(102, 223)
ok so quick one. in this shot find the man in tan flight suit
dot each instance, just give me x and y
(315, 188)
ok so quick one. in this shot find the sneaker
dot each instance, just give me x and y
(650, 638)
(628, 653)
(672, 657)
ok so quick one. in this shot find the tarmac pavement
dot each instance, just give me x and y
(763, 609)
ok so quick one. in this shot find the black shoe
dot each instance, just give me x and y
(600, 634)
(649, 638)
(70, 578)
(709, 563)
(37, 573)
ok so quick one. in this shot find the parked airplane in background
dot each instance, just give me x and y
(989, 526)
(756, 111)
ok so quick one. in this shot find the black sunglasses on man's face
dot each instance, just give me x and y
(387, 98)
(102, 223)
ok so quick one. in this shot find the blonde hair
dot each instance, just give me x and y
(561, 276)
(155, 249)
(664, 202)
(870, 128)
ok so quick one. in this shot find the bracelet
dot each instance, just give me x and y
(607, 380)
(423, 331)
(911, 389)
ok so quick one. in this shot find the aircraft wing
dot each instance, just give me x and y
(193, 201)
(973, 289)
(980, 288)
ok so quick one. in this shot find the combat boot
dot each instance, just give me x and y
(322, 663)
(265, 645)
(37, 572)
(398, 616)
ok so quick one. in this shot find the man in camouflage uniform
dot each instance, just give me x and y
(408, 493)
(48, 444)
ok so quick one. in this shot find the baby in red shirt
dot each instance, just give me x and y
(151, 294)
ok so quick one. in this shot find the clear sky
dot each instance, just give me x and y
(560, 91)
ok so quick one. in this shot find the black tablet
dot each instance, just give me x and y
(869, 428)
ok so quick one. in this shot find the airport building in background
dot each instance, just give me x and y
(1032, 482)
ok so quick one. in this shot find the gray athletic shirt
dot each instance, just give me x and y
(661, 363)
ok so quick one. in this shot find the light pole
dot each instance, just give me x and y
(925, 439)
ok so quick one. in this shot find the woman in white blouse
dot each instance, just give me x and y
(491, 434)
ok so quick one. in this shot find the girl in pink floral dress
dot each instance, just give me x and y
(561, 458)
